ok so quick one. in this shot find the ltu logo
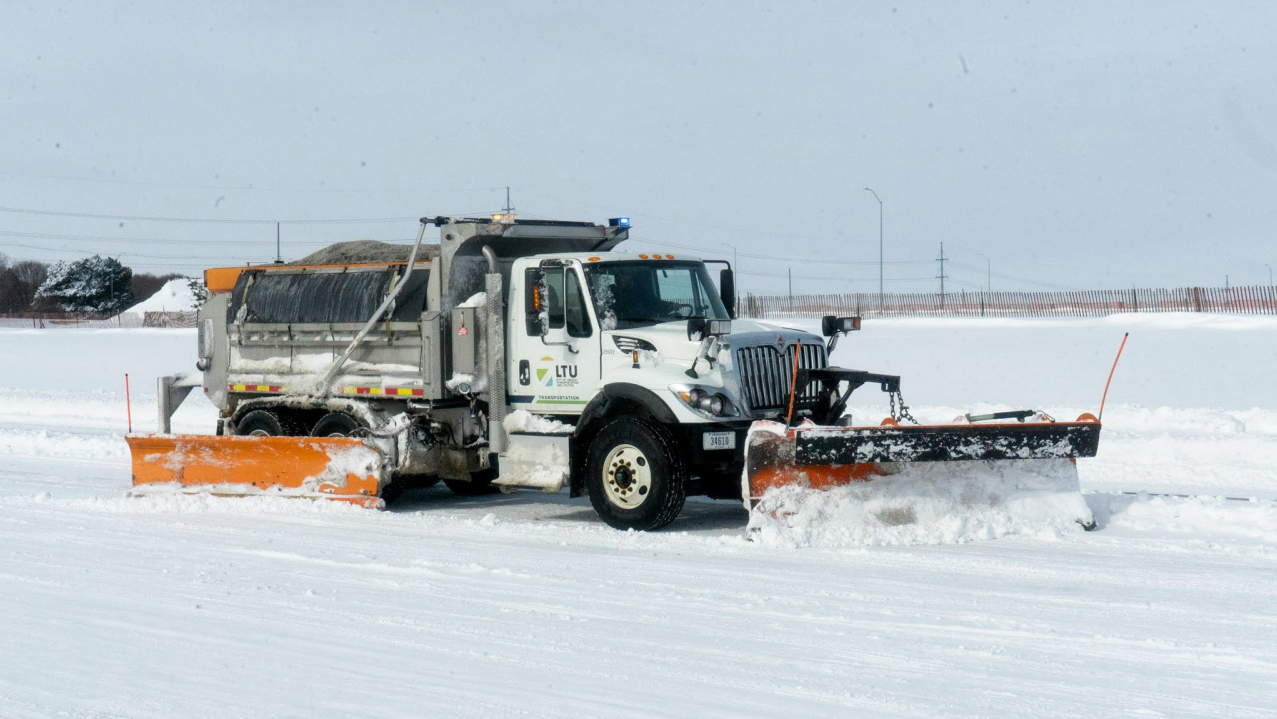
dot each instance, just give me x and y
(548, 372)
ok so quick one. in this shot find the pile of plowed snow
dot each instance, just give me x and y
(1212, 518)
(174, 296)
(928, 503)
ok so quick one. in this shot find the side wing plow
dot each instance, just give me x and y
(339, 468)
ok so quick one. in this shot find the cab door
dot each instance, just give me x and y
(555, 360)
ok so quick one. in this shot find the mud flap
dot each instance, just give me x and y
(340, 468)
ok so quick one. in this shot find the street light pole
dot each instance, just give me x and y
(988, 267)
(880, 263)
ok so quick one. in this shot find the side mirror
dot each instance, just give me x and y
(699, 328)
(536, 294)
(727, 290)
(831, 325)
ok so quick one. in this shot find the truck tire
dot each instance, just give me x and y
(635, 475)
(265, 423)
(335, 424)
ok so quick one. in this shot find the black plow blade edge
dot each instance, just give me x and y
(1048, 440)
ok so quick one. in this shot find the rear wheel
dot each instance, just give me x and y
(635, 475)
(267, 423)
(335, 424)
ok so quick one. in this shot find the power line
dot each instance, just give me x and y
(781, 258)
(136, 218)
(693, 223)
(843, 278)
(195, 259)
(252, 188)
(981, 270)
(152, 240)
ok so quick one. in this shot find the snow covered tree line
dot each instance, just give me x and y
(93, 285)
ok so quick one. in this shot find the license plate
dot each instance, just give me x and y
(719, 440)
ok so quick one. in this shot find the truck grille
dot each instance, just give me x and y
(765, 375)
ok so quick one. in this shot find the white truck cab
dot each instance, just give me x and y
(645, 341)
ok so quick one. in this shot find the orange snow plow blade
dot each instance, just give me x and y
(339, 468)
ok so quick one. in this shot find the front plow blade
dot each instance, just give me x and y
(919, 484)
(329, 468)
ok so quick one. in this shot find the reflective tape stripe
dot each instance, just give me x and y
(378, 391)
(386, 391)
(255, 388)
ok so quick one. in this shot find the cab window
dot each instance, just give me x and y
(578, 321)
(565, 303)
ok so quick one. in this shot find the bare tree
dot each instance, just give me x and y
(32, 272)
(24, 279)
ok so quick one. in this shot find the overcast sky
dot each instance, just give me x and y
(1075, 144)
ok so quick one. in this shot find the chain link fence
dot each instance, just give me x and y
(1093, 303)
(47, 320)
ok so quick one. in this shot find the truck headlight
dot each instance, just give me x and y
(706, 400)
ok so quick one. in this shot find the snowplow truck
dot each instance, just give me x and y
(530, 354)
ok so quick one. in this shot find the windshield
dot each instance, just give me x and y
(638, 294)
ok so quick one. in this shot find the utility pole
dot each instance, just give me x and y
(988, 268)
(791, 289)
(279, 258)
(942, 275)
(1270, 275)
(507, 209)
(880, 263)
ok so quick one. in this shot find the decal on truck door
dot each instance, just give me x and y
(552, 374)
(525, 374)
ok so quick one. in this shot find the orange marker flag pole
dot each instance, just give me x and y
(128, 403)
(793, 383)
(1111, 371)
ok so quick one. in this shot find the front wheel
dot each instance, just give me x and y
(635, 476)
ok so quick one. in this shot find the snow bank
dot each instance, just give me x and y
(45, 443)
(1205, 517)
(174, 296)
(93, 359)
(927, 503)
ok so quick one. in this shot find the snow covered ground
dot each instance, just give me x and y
(525, 605)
